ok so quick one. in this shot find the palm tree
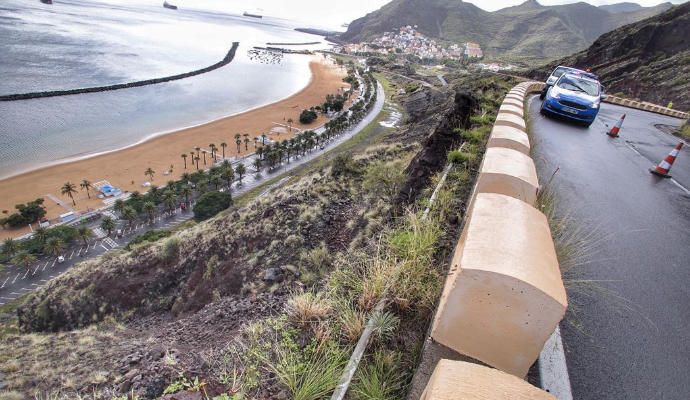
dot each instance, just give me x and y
(260, 152)
(130, 214)
(86, 185)
(108, 224)
(256, 140)
(119, 206)
(9, 247)
(238, 141)
(186, 191)
(24, 258)
(84, 233)
(215, 180)
(150, 209)
(185, 177)
(197, 151)
(184, 158)
(197, 161)
(204, 152)
(240, 170)
(229, 175)
(290, 121)
(41, 234)
(213, 148)
(54, 246)
(263, 139)
(223, 146)
(69, 189)
(257, 164)
(150, 173)
(246, 141)
(170, 200)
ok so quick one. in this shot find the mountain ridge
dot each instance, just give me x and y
(526, 31)
(649, 59)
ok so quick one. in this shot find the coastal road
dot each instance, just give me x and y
(627, 334)
(16, 280)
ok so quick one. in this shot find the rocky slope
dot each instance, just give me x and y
(528, 31)
(648, 60)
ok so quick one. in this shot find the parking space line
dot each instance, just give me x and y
(44, 280)
(25, 289)
(72, 255)
(106, 249)
(80, 249)
(15, 278)
(34, 284)
(37, 267)
(15, 293)
(27, 273)
(3, 284)
(8, 298)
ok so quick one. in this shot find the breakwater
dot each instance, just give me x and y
(33, 95)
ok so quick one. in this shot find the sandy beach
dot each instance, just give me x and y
(125, 168)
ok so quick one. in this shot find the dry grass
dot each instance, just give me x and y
(308, 307)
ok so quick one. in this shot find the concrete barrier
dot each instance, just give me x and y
(508, 172)
(466, 381)
(646, 107)
(516, 97)
(510, 120)
(510, 138)
(503, 296)
(512, 109)
(514, 102)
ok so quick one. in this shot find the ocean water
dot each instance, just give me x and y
(94, 43)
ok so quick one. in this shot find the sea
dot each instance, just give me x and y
(83, 43)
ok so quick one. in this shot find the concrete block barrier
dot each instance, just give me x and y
(514, 102)
(512, 120)
(517, 97)
(508, 172)
(466, 381)
(504, 295)
(512, 109)
(509, 138)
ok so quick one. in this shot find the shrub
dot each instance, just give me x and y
(461, 157)
(307, 116)
(210, 204)
(308, 307)
(27, 213)
(171, 247)
(385, 180)
(147, 237)
(344, 165)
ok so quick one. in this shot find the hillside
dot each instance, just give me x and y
(649, 60)
(528, 31)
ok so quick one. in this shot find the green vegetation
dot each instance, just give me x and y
(27, 214)
(210, 204)
(684, 131)
(307, 116)
(44, 241)
(147, 237)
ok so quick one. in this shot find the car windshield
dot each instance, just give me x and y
(559, 71)
(579, 85)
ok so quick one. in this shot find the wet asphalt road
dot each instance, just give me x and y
(637, 348)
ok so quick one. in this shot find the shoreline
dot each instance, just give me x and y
(152, 136)
(124, 167)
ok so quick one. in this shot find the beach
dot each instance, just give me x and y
(125, 168)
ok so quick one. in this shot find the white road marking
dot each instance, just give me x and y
(54, 261)
(553, 368)
(27, 273)
(37, 267)
(80, 249)
(8, 298)
(44, 280)
(3, 284)
(72, 255)
(15, 278)
(34, 284)
(25, 289)
(106, 249)
(15, 293)
(680, 186)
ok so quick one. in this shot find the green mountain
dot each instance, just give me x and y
(649, 59)
(529, 31)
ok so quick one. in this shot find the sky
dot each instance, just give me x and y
(333, 14)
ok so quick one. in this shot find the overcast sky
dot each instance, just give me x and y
(334, 13)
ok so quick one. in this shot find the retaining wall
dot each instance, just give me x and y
(646, 107)
(504, 295)
(33, 95)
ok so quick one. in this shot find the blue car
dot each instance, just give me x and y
(575, 97)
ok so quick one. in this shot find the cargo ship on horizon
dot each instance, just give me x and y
(246, 14)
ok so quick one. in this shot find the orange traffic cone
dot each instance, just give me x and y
(665, 165)
(616, 128)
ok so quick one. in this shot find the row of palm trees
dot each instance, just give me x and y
(70, 189)
(50, 245)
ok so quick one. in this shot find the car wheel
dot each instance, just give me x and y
(542, 95)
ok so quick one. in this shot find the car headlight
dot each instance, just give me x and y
(595, 104)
